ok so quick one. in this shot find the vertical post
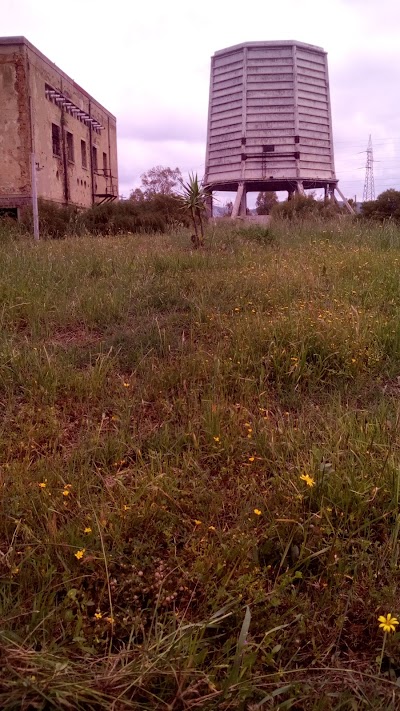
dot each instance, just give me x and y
(209, 204)
(35, 211)
(91, 152)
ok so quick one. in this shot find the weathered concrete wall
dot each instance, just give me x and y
(62, 176)
(15, 135)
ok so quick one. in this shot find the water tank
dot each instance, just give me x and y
(269, 120)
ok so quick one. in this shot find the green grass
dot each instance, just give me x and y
(158, 409)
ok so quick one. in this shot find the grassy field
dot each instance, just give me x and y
(200, 471)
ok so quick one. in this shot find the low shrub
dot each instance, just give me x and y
(158, 214)
(305, 206)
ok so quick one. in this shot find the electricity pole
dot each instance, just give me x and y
(369, 186)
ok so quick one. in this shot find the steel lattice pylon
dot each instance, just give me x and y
(369, 186)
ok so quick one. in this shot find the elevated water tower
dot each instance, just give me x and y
(269, 121)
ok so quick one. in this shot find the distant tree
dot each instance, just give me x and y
(265, 202)
(137, 195)
(386, 206)
(159, 181)
(228, 207)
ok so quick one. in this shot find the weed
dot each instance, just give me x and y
(199, 469)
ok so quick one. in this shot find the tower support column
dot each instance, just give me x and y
(240, 204)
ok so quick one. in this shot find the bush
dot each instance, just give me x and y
(10, 229)
(304, 206)
(385, 207)
(158, 214)
(120, 218)
(55, 221)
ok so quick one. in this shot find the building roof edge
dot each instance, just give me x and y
(20, 40)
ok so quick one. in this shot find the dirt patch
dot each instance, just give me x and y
(78, 336)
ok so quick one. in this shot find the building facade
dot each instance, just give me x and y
(52, 132)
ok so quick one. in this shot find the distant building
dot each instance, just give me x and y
(45, 114)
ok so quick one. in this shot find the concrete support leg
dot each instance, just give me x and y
(239, 206)
(243, 204)
(290, 194)
(346, 203)
(209, 205)
(300, 188)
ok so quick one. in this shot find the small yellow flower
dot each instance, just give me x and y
(87, 529)
(216, 439)
(110, 620)
(211, 528)
(127, 385)
(308, 479)
(257, 512)
(66, 492)
(388, 623)
(98, 615)
(14, 570)
(126, 508)
(198, 523)
(43, 484)
(251, 459)
(79, 554)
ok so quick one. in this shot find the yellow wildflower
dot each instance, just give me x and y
(126, 508)
(308, 479)
(79, 554)
(98, 615)
(388, 623)
(87, 529)
(198, 523)
(257, 512)
(216, 439)
(251, 459)
(127, 385)
(43, 484)
(66, 492)
(110, 620)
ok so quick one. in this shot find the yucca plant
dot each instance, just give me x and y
(193, 199)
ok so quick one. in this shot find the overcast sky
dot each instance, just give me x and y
(148, 62)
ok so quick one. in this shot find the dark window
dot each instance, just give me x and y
(56, 139)
(83, 154)
(105, 163)
(268, 149)
(70, 147)
(94, 157)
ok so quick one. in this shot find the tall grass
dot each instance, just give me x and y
(199, 469)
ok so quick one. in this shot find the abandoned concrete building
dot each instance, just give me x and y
(53, 133)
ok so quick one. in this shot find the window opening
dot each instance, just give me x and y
(83, 154)
(70, 147)
(56, 139)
